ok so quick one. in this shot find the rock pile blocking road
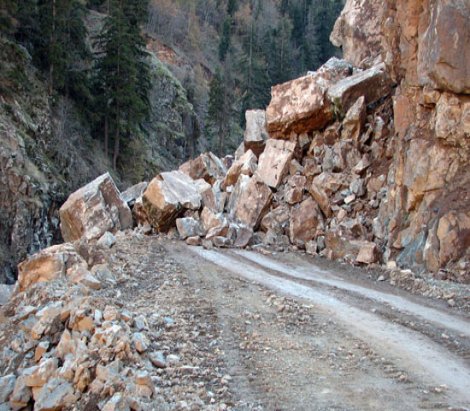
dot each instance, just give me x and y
(302, 176)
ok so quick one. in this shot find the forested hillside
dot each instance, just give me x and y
(228, 53)
(134, 87)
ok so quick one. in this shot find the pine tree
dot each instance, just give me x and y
(221, 110)
(122, 73)
(224, 44)
(60, 45)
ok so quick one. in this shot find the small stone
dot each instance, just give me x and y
(143, 378)
(140, 323)
(111, 313)
(7, 385)
(21, 394)
(118, 402)
(38, 375)
(57, 394)
(451, 302)
(157, 359)
(107, 240)
(173, 359)
(194, 241)
(349, 199)
(41, 349)
(126, 316)
(141, 342)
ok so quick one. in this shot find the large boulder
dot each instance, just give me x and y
(214, 198)
(93, 210)
(276, 220)
(274, 162)
(211, 219)
(354, 120)
(324, 186)
(167, 196)
(246, 164)
(253, 203)
(236, 194)
(49, 264)
(207, 166)
(305, 220)
(373, 84)
(453, 232)
(340, 246)
(359, 32)
(256, 133)
(301, 105)
(189, 227)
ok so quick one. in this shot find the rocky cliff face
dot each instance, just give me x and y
(424, 220)
(44, 155)
(367, 158)
(47, 152)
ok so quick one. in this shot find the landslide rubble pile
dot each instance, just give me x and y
(83, 328)
(311, 172)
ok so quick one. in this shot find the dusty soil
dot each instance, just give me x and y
(244, 331)
(297, 344)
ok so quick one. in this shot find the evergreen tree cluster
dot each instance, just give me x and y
(263, 43)
(108, 79)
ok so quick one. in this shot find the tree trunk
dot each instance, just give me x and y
(52, 46)
(106, 136)
(116, 147)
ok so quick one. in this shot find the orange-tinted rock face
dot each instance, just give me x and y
(444, 53)
(424, 44)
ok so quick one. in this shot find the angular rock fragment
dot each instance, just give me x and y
(207, 166)
(301, 105)
(243, 236)
(253, 203)
(167, 196)
(274, 162)
(81, 275)
(211, 220)
(6, 292)
(93, 210)
(373, 84)
(189, 227)
(47, 265)
(236, 194)
(7, 385)
(354, 120)
(297, 186)
(255, 132)
(194, 241)
(21, 394)
(246, 165)
(276, 220)
(57, 394)
(214, 198)
(133, 193)
(368, 253)
(107, 240)
(305, 220)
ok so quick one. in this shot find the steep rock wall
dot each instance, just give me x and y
(425, 220)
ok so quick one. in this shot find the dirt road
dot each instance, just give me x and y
(298, 337)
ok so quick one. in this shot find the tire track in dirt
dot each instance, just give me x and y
(426, 360)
